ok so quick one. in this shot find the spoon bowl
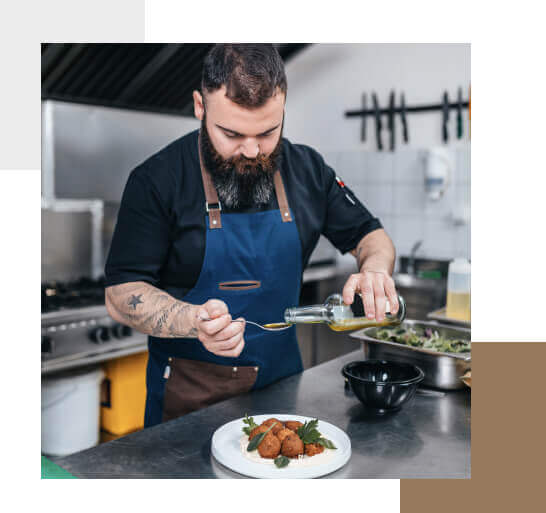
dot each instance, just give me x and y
(278, 326)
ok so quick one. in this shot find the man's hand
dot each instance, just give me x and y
(375, 287)
(219, 335)
(375, 258)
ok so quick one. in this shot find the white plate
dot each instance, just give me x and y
(226, 449)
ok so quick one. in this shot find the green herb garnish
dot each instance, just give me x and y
(326, 443)
(257, 440)
(251, 424)
(281, 461)
(309, 434)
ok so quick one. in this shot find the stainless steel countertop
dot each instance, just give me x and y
(428, 438)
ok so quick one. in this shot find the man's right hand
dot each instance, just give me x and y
(220, 335)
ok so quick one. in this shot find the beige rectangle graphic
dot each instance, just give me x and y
(508, 437)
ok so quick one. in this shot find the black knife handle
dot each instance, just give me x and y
(445, 117)
(459, 113)
(378, 126)
(363, 126)
(403, 118)
(391, 120)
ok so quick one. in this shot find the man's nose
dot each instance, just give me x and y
(250, 149)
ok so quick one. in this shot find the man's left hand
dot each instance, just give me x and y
(375, 288)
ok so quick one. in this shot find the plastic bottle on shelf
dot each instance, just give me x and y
(458, 290)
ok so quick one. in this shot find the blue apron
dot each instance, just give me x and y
(252, 263)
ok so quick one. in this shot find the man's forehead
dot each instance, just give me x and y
(248, 121)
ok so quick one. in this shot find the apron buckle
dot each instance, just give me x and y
(215, 206)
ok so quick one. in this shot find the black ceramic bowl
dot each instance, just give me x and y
(383, 386)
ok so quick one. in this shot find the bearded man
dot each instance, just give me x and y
(217, 228)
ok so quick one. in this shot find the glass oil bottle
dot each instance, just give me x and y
(339, 316)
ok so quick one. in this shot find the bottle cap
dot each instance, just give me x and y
(460, 266)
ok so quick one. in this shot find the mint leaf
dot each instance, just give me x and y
(281, 461)
(251, 425)
(326, 443)
(257, 440)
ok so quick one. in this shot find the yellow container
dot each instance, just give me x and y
(124, 394)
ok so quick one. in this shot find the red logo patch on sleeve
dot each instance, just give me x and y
(340, 182)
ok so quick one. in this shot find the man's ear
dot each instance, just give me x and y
(198, 106)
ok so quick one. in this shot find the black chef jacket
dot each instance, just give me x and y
(160, 233)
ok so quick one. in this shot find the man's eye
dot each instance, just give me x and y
(231, 136)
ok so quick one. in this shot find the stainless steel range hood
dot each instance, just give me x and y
(148, 77)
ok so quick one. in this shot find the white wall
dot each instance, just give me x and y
(391, 185)
(325, 80)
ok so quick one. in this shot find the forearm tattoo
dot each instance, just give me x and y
(151, 310)
(135, 300)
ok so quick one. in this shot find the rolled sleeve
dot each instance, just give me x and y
(141, 238)
(347, 219)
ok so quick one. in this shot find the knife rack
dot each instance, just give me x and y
(403, 110)
(398, 110)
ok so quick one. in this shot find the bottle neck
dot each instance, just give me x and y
(306, 314)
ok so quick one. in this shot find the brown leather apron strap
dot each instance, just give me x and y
(212, 204)
(281, 197)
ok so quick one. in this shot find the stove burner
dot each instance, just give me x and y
(75, 294)
(47, 345)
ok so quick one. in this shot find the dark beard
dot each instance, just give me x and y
(240, 182)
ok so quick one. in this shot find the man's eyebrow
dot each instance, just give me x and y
(270, 130)
(241, 135)
(228, 130)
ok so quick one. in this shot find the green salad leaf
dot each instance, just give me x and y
(250, 424)
(427, 338)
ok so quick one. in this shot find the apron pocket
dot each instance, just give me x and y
(194, 384)
(239, 285)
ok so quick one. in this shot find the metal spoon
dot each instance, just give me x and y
(258, 325)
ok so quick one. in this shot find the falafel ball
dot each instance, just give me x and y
(276, 428)
(292, 446)
(257, 430)
(312, 449)
(270, 446)
(283, 433)
(293, 425)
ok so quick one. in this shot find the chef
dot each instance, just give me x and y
(217, 228)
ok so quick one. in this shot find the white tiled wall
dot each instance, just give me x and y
(391, 185)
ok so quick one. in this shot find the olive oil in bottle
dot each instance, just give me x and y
(458, 290)
(338, 316)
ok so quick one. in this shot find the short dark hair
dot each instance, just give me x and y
(252, 73)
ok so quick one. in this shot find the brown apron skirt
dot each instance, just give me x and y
(193, 384)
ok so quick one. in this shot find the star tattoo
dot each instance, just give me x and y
(135, 300)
